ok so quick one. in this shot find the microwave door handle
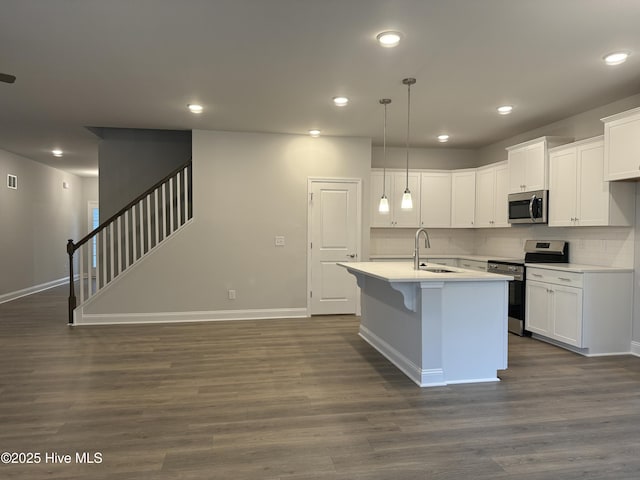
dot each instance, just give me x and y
(533, 198)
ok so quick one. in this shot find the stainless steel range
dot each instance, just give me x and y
(536, 251)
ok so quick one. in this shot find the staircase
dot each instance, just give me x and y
(128, 236)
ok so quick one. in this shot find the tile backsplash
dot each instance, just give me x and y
(607, 246)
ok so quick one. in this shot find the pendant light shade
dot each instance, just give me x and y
(383, 207)
(407, 201)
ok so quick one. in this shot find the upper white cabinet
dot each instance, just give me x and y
(622, 145)
(579, 195)
(491, 196)
(463, 198)
(529, 164)
(435, 199)
(395, 186)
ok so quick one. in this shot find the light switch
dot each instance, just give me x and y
(279, 241)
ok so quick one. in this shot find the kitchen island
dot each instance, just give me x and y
(439, 325)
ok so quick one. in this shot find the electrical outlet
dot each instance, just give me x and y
(279, 241)
(232, 294)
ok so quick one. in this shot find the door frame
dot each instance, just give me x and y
(358, 183)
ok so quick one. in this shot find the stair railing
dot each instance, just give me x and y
(129, 235)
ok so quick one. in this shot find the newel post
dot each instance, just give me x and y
(72, 293)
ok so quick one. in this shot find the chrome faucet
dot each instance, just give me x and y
(416, 251)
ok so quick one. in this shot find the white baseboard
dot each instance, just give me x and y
(81, 318)
(7, 297)
(422, 377)
(635, 349)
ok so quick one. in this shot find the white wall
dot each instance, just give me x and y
(247, 189)
(36, 220)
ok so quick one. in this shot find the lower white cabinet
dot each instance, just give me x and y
(449, 262)
(591, 310)
(472, 264)
(555, 311)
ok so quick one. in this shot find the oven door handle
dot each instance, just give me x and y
(533, 197)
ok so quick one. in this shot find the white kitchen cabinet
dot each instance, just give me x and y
(435, 199)
(555, 311)
(395, 186)
(622, 145)
(491, 196)
(538, 310)
(449, 262)
(579, 195)
(463, 198)
(472, 264)
(587, 312)
(529, 164)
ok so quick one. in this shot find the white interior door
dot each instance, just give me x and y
(334, 228)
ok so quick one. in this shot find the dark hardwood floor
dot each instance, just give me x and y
(302, 399)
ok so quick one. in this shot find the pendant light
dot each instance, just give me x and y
(383, 207)
(407, 202)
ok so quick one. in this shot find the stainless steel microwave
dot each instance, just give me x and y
(528, 207)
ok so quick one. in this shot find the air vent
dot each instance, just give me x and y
(12, 181)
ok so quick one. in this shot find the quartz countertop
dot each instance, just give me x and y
(465, 256)
(404, 272)
(579, 267)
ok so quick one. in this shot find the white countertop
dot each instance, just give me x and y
(578, 268)
(479, 258)
(404, 272)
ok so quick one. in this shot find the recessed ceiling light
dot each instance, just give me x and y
(505, 109)
(57, 152)
(616, 58)
(314, 133)
(340, 101)
(443, 138)
(195, 108)
(389, 39)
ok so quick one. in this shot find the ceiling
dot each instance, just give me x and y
(275, 65)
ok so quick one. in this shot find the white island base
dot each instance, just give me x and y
(438, 328)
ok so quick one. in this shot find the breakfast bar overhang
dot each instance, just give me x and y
(439, 325)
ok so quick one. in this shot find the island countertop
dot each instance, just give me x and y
(404, 272)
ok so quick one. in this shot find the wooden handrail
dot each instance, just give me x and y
(104, 224)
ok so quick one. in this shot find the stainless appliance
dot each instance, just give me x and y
(528, 207)
(536, 251)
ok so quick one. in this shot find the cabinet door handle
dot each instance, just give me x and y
(564, 279)
(536, 275)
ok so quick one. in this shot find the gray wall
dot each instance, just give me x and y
(247, 189)
(36, 221)
(132, 160)
(578, 127)
(434, 158)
